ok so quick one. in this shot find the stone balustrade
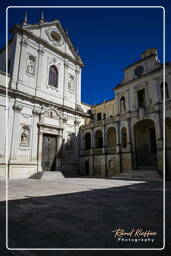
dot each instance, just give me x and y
(98, 151)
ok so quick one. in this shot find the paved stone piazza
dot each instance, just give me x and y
(81, 212)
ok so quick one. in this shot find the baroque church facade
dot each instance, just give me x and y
(44, 109)
(50, 129)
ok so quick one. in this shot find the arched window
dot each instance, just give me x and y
(124, 137)
(166, 90)
(122, 104)
(87, 141)
(53, 76)
(99, 139)
(111, 137)
(31, 63)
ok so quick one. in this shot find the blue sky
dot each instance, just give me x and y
(108, 39)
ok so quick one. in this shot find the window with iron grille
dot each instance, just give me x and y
(53, 76)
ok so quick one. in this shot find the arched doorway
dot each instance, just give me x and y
(145, 145)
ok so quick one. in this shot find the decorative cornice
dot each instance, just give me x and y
(22, 95)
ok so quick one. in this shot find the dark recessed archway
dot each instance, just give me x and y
(145, 145)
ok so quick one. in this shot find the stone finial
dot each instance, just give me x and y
(25, 22)
(149, 52)
(42, 18)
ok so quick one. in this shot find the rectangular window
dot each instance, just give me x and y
(141, 98)
(99, 116)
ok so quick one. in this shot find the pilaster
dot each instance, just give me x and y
(22, 60)
(39, 68)
(17, 107)
(36, 114)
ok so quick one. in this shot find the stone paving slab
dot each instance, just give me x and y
(81, 212)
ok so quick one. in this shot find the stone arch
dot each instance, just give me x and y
(145, 144)
(111, 137)
(98, 139)
(87, 139)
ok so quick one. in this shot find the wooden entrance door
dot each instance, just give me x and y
(49, 147)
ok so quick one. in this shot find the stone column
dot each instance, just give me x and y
(59, 152)
(128, 135)
(34, 147)
(15, 131)
(117, 140)
(40, 140)
(92, 138)
(158, 89)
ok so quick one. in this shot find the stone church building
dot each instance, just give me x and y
(44, 109)
(50, 129)
(126, 133)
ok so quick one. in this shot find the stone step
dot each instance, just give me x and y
(51, 175)
(36, 175)
(47, 175)
(139, 174)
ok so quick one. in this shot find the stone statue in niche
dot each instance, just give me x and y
(122, 104)
(25, 134)
(31, 65)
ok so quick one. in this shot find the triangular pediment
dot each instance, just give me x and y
(53, 34)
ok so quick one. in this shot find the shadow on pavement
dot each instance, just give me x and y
(85, 220)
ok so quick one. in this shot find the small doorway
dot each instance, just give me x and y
(49, 149)
(145, 145)
(86, 167)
